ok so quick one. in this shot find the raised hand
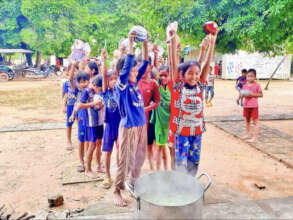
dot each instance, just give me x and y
(104, 54)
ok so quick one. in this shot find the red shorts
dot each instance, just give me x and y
(249, 113)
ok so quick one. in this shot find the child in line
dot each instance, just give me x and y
(151, 97)
(91, 119)
(83, 80)
(240, 82)
(161, 117)
(250, 110)
(69, 99)
(210, 88)
(132, 131)
(112, 119)
(187, 122)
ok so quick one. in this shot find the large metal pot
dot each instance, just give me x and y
(168, 195)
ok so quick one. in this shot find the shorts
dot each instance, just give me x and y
(171, 139)
(99, 132)
(69, 110)
(90, 134)
(151, 134)
(81, 131)
(111, 136)
(161, 135)
(187, 153)
(249, 113)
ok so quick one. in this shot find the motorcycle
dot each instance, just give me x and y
(44, 72)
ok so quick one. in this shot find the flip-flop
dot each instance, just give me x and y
(107, 183)
(80, 168)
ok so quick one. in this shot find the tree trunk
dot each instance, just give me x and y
(284, 58)
(29, 59)
(38, 59)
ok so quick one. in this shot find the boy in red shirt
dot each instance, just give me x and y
(250, 109)
(151, 97)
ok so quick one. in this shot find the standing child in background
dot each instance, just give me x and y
(210, 88)
(69, 99)
(240, 82)
(112, 119)
(250, 109)
(161, 117)
(83, 80)
(132, 131)
(91, 119)
(187, 122)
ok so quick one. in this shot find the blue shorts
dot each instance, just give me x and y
(81, 131)
(100, 132)
(111, 135)
(187, 153)
(68, 114)
(209, 89)
(90, 134)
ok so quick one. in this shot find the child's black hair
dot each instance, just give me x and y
(180, 67)
(139, 59)
(93, 66)
(244, 71)
(82, 76)
(121, 62)
(252, 71)
(188, 64)
(97, 81)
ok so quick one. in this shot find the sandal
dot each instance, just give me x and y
(107, 183)
(80, 168)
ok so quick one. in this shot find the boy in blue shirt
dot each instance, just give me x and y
(69, 97)
(132, 131)
(83, 80)
(91, 119)
(112, 118)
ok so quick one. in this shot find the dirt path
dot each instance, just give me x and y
(39, 157)
(32, 162)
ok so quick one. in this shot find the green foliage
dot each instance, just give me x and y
(51, 26)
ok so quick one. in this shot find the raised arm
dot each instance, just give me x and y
(105, 78)
(125, 72)
(205, 70)
(156, 51)
(173, 54)
(145, 58)
(203, 47)
(72, 69)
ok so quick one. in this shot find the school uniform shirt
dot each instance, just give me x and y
(101, 111)
(187, 108)
(112, 114)
(150, 92)
(128, 95)
(71, 94)
(91, 115)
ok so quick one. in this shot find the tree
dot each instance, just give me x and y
(251, 25)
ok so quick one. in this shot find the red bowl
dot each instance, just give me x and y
(210, 27)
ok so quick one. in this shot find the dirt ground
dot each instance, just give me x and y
(32, 162)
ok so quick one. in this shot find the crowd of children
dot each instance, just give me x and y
(124, 106)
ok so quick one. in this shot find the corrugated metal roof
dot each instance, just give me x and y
(15, 51)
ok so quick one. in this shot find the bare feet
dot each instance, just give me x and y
(100, 169)
(69, 146)
(252, 140)
(245, 137)
(118, 200)
(91, 174)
